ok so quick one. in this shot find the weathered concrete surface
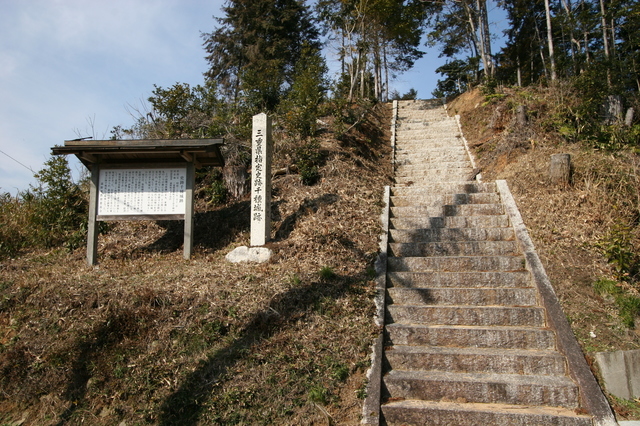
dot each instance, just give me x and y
(620, 372)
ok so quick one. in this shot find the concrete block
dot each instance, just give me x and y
(620, 372)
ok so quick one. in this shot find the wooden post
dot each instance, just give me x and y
(560, 169)
(92, 229)
(188, 211)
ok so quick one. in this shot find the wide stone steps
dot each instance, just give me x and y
(446, 168)
(459, 279)
(429, 158)
(456, 263)
(447, 210)
(417, 169)
(556, 391)
(466, 341)
(473, 296)
(465, 315)
(507, 337)
(442, 174)
(457, 248)
(449, 235)
(476, 360)
(448, 413)
(437, 199)
(469, 187)
(490, 221)
(425, 142)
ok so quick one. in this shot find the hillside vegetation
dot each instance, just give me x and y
(146, 337)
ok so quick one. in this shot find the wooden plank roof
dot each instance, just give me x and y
(201, 152)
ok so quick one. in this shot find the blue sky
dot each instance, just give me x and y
(71, 68)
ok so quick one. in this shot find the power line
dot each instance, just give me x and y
(26, 167)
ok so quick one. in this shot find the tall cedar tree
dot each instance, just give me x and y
(253, 52)
(372, 39)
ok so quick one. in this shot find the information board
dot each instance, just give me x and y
(147, 192)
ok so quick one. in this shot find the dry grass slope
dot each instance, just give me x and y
(148, 338)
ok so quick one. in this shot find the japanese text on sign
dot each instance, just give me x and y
(142, 191)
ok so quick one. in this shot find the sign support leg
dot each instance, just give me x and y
(92, 229)
(188, 213)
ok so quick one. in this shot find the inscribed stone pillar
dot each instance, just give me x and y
(261, 180)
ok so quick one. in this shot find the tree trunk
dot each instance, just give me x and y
(560, 169)
(552, 60)
(235, 179)
(521, 115)
(605, 40)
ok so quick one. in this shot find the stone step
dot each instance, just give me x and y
(448, 210)
(474, 279)
(439, 175)
(456, 264)
(446, 131)
(427, 199)
(463, 168)
(441, 413)
(476, 360)
(496, 221)
(469, 187)
(465, 315)
(420, 143)
(482, 296)
(427, 167)
(430, 116)
(464, 248)
(426, 181)
(534, 338)
(431, 235)
(426, 153)
(430, 158)
(555, 391)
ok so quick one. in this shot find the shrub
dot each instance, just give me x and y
(53, 214)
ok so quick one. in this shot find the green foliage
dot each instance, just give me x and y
(412, 94)
(308, 160)
(458, 77)
(61, 212)
(619, 251)
(253, 52)
(50, 215)
(300, 107)
(327, 273)
(318, 394)
(628, 305)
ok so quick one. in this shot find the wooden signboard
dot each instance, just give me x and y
(142, 179)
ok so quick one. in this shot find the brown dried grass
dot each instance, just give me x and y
(147, 337)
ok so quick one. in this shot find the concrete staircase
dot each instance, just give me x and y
(466, 336)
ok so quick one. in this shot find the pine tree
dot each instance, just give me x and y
(253, 52)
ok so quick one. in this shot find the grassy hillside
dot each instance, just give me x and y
(146, 337)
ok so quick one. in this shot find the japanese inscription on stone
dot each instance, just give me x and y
(261, 180)
(142, 191)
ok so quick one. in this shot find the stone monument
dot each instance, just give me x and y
(262, 143)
